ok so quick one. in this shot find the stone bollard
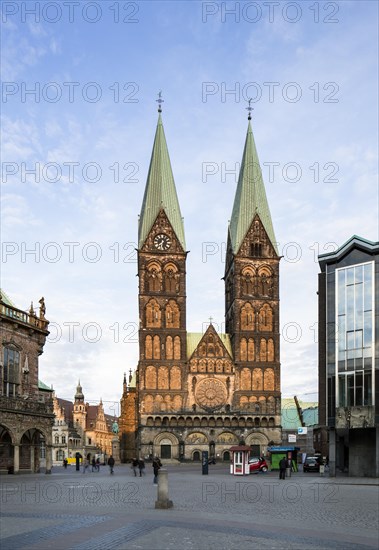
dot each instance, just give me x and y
(163, 501)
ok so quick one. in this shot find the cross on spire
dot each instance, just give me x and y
(160, 101)
(210, 319)
(249, 108)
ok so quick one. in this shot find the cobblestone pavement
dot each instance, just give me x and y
(93, 511)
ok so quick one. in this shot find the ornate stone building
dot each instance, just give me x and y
(26, 411)
(196, 391)
(80, 428)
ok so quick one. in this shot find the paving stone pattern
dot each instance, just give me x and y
(69, 509)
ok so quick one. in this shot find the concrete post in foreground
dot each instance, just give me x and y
(116, 450)
(163, 501)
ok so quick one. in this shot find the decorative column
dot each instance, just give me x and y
(16, 459)
(49, 461)
(32, 458)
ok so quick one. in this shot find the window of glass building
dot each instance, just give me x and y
(354, 286)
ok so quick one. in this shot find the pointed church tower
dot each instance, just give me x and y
(162, 293)
(80, 411)
(252, 294)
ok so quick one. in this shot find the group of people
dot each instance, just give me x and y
(138, 465)
(95, 465)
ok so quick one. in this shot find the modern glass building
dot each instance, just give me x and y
(349, 356)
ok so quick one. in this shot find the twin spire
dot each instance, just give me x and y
(250, 198)
(160, 192)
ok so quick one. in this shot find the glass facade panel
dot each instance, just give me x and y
(358, 388)
(367, 287)
(359, 306)
(350, 307)
(350, 390)
(341, 292)
(355, 326)
(367, 329)
(367, 396)
(342, 390)
(350, 276)
(341, 333)
(359, 274)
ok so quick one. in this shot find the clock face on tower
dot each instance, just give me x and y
(162, 241)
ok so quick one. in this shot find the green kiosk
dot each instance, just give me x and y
(277, 453)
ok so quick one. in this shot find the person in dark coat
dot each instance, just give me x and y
(135, 465)
(141, 467)
(282, 468)
(111, 463)
(156, 467)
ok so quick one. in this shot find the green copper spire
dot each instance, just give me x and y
(160, 191)
(250, 198)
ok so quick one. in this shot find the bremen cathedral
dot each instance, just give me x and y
(193, 391)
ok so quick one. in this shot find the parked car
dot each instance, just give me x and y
(257, 464)
(311, 464)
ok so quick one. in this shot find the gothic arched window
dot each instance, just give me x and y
(251, 350)
(172, 315)
(246, 379)
(247, 317)
(263, 350)
(153, 314)
(169, 348)
(243, 349)
(148, 347)
(156, 347)
(269, 380)
(171, 278)
(154, 277)
(265, 318)
(257, 380)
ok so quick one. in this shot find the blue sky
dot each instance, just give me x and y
(91, 121)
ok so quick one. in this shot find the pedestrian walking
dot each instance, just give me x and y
(282, 468)
(141, 467)
(85, 465)
(134, 466)
(93, 463)
(98, 464)
(65, 462)
(157, 465)
(111, 464)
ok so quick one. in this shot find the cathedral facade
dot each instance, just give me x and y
(197, 392)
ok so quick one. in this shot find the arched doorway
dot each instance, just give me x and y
(166, 446)
(196, 456)
(32, 453)
(6, 451)
(258, 443)
(226, 456)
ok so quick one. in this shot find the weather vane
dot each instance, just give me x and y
(249, 108)
(160, 101)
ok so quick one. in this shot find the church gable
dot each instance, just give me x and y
(162, 237)
(211, 355)
(256, 243)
